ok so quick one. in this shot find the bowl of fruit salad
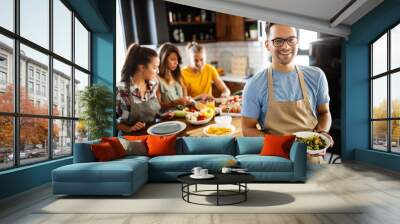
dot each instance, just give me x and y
(231, 106)
(200, 117)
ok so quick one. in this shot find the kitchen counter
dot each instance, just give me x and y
(235, 83)
(233, 78)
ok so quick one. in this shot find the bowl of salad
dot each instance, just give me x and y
(316, 143)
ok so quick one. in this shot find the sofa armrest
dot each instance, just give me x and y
(83, 152)
(298, 155)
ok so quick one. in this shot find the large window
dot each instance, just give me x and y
(44, 63)
(385, 93)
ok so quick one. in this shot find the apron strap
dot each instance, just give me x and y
(302, 83)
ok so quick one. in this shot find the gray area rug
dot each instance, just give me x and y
(166, 198)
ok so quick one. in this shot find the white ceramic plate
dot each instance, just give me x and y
(180, 123)
(306, 134)
(208, 176)
(233, 129)
(205, 121)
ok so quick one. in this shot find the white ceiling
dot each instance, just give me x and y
(316, 15)
(321, 9)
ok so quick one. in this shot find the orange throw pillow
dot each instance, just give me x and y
(103, 152)
(142, 138)
(277, 145)
(116, 145)
(161, 145)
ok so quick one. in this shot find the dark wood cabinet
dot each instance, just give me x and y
(229, 28)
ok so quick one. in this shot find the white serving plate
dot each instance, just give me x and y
(182, 124)
(306, 134)
(208, 176)
(233, 129)
(205, 121)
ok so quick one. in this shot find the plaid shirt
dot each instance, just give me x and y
(123, 102)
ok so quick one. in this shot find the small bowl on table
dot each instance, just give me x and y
(223, 120)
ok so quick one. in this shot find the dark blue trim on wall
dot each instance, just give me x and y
(22, 179)
(90, 13)
(356, 126)
(102, 58)
(381, 159)
(357, 100)
(103, 62)
(103, 51)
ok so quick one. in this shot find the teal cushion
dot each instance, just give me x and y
(111, 171)
(133, 157)
(249, 145)
(207, 145)
(185, 163)
(83, 152)
(257, 163)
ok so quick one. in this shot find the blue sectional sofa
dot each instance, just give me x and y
(125, 176)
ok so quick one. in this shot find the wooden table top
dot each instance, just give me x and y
(197, 130)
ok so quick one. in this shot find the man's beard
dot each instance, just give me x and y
(285, 59)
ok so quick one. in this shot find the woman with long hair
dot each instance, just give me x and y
(198, 76)
(171, 91)
(136, 100)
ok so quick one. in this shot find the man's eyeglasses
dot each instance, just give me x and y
(279, 42)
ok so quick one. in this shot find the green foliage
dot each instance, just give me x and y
(253, 27)
(96, 102)
(380, 127)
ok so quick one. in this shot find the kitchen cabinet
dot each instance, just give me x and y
(184, 23)
(229, 28)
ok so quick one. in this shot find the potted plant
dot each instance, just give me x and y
(253, 29)
(96, 103)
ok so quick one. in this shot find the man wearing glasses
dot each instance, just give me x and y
(285, 98)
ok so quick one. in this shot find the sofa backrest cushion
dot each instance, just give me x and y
(104, 152)
(206, 145)
(136, 137)
(134, 147)
(83, 153)
(277, 145)
(161, 145)
(249, 145)
(116, 145)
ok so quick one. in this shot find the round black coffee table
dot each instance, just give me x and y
(238, 179)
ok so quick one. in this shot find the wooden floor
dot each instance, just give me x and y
(377, 188)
